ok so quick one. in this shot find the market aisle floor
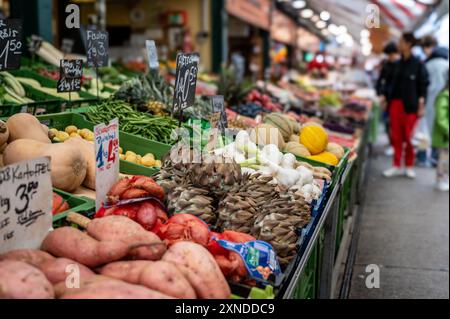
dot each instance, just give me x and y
(405, 231)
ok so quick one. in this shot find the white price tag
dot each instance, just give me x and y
(107, 159)
(25, 204)
(152, 54)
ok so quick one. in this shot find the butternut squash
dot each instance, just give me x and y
(88, 150)
(26, 126)
(68, 165)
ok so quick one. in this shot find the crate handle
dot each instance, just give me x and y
(78, 219)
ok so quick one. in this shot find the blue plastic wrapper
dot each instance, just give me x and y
(258, 256)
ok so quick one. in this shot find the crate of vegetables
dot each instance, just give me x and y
(138, 156)
(63, 203)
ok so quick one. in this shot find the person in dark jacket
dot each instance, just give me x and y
(384, 85)
(406, 106)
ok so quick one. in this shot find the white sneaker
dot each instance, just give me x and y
(389, 151)
(394, 172)
(411, 173)
(442, 186)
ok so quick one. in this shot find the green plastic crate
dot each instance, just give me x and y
(47, 82)
(258, 294)
(127, 141)
(306, 287)
(336, 170)
(78, 204)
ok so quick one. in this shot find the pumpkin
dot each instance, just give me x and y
(297, 149)
(68, 165)
(326, 158)
(26, 126)
(282, 123)
(4, 133)
(265, 134)
(88, 150)
(336, 149)
(315, 138)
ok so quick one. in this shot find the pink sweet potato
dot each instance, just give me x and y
(159, 275)
(72, 243)
(113, 289)
(200, 269)
(59, 269)
(30, 256)
(19, 280)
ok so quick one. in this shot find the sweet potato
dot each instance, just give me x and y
(200, 269)
(112, 289)
(19, 280)
(30, 256)
(159, 275)
(59, 269)
(124, 229)
(72, 243)
(62, 289)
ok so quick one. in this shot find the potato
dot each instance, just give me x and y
(132, 158)
(59, 269)
(159, 275)
(32, 257)
(19, 280)
(148, 160)
(114, 290)
(200, 269)
(127, 230)
(71, 129)
(72, 243)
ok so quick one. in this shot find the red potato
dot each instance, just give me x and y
(200, 269)
(19, 280)
(30, 256)
(126, 230)
(112, 289)
(72, 243)
(159, 275)
(59, 269)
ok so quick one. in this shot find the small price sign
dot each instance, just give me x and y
(97, 48)
(34, 43)
(185, 81)
(107, 159)
(25, 204)
(10, 44)
(152, 55)
(70, 74)
(218, 107)
(67, 45)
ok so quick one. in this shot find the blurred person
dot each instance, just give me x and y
(407, 105)
(437, 67)
(441, 139)
(384, 86)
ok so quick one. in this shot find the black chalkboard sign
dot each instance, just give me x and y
(97, 48)
(34, 43)
(10, 44)
(185, 81)
(218, 106)
(70, 74)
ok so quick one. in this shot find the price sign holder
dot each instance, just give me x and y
(70, 74)
(67, 46)
(185, 83)
(152, 55)
(34, 43)
(10, 44)
(25, 204)
(218, 106)
(97, 47)
(106, 138)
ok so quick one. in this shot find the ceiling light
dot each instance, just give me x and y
(315, 18)
(342, 29)
(298, 4)
(365, 33)
(325, 32)
(325, 15)
(321, 24)
(307, 13)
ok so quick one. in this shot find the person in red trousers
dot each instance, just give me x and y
(406, 106)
